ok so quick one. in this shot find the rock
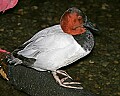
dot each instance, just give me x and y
(2, 29)
(116, 62)
(35, 7)
(105, 64)
(37, 83)
(104, 6)
(91, 62)
(20, 11)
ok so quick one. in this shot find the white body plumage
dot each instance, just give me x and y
(52, 49)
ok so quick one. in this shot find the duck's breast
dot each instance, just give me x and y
(61, 51)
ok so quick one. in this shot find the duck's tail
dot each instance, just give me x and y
(7, 59)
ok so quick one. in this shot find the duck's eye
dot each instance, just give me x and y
(79, 17)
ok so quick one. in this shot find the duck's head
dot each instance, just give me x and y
(75, 22)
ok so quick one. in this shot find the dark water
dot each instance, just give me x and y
(100, 71)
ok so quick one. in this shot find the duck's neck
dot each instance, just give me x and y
(86, 40)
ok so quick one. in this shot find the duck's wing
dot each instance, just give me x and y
(43, 41)
(45, 32)
(31, 43)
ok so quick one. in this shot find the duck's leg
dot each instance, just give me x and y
(62, 82)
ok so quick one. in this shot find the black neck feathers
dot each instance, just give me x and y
(86, 40)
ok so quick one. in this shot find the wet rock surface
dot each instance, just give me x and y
(40, 83)
(99, 72)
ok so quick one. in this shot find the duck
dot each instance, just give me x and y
(58, 46)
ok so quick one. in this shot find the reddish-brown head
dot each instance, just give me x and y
(72, 21)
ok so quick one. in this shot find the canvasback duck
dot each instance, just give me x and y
(60, 45)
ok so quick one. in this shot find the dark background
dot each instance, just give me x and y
(99, 72)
